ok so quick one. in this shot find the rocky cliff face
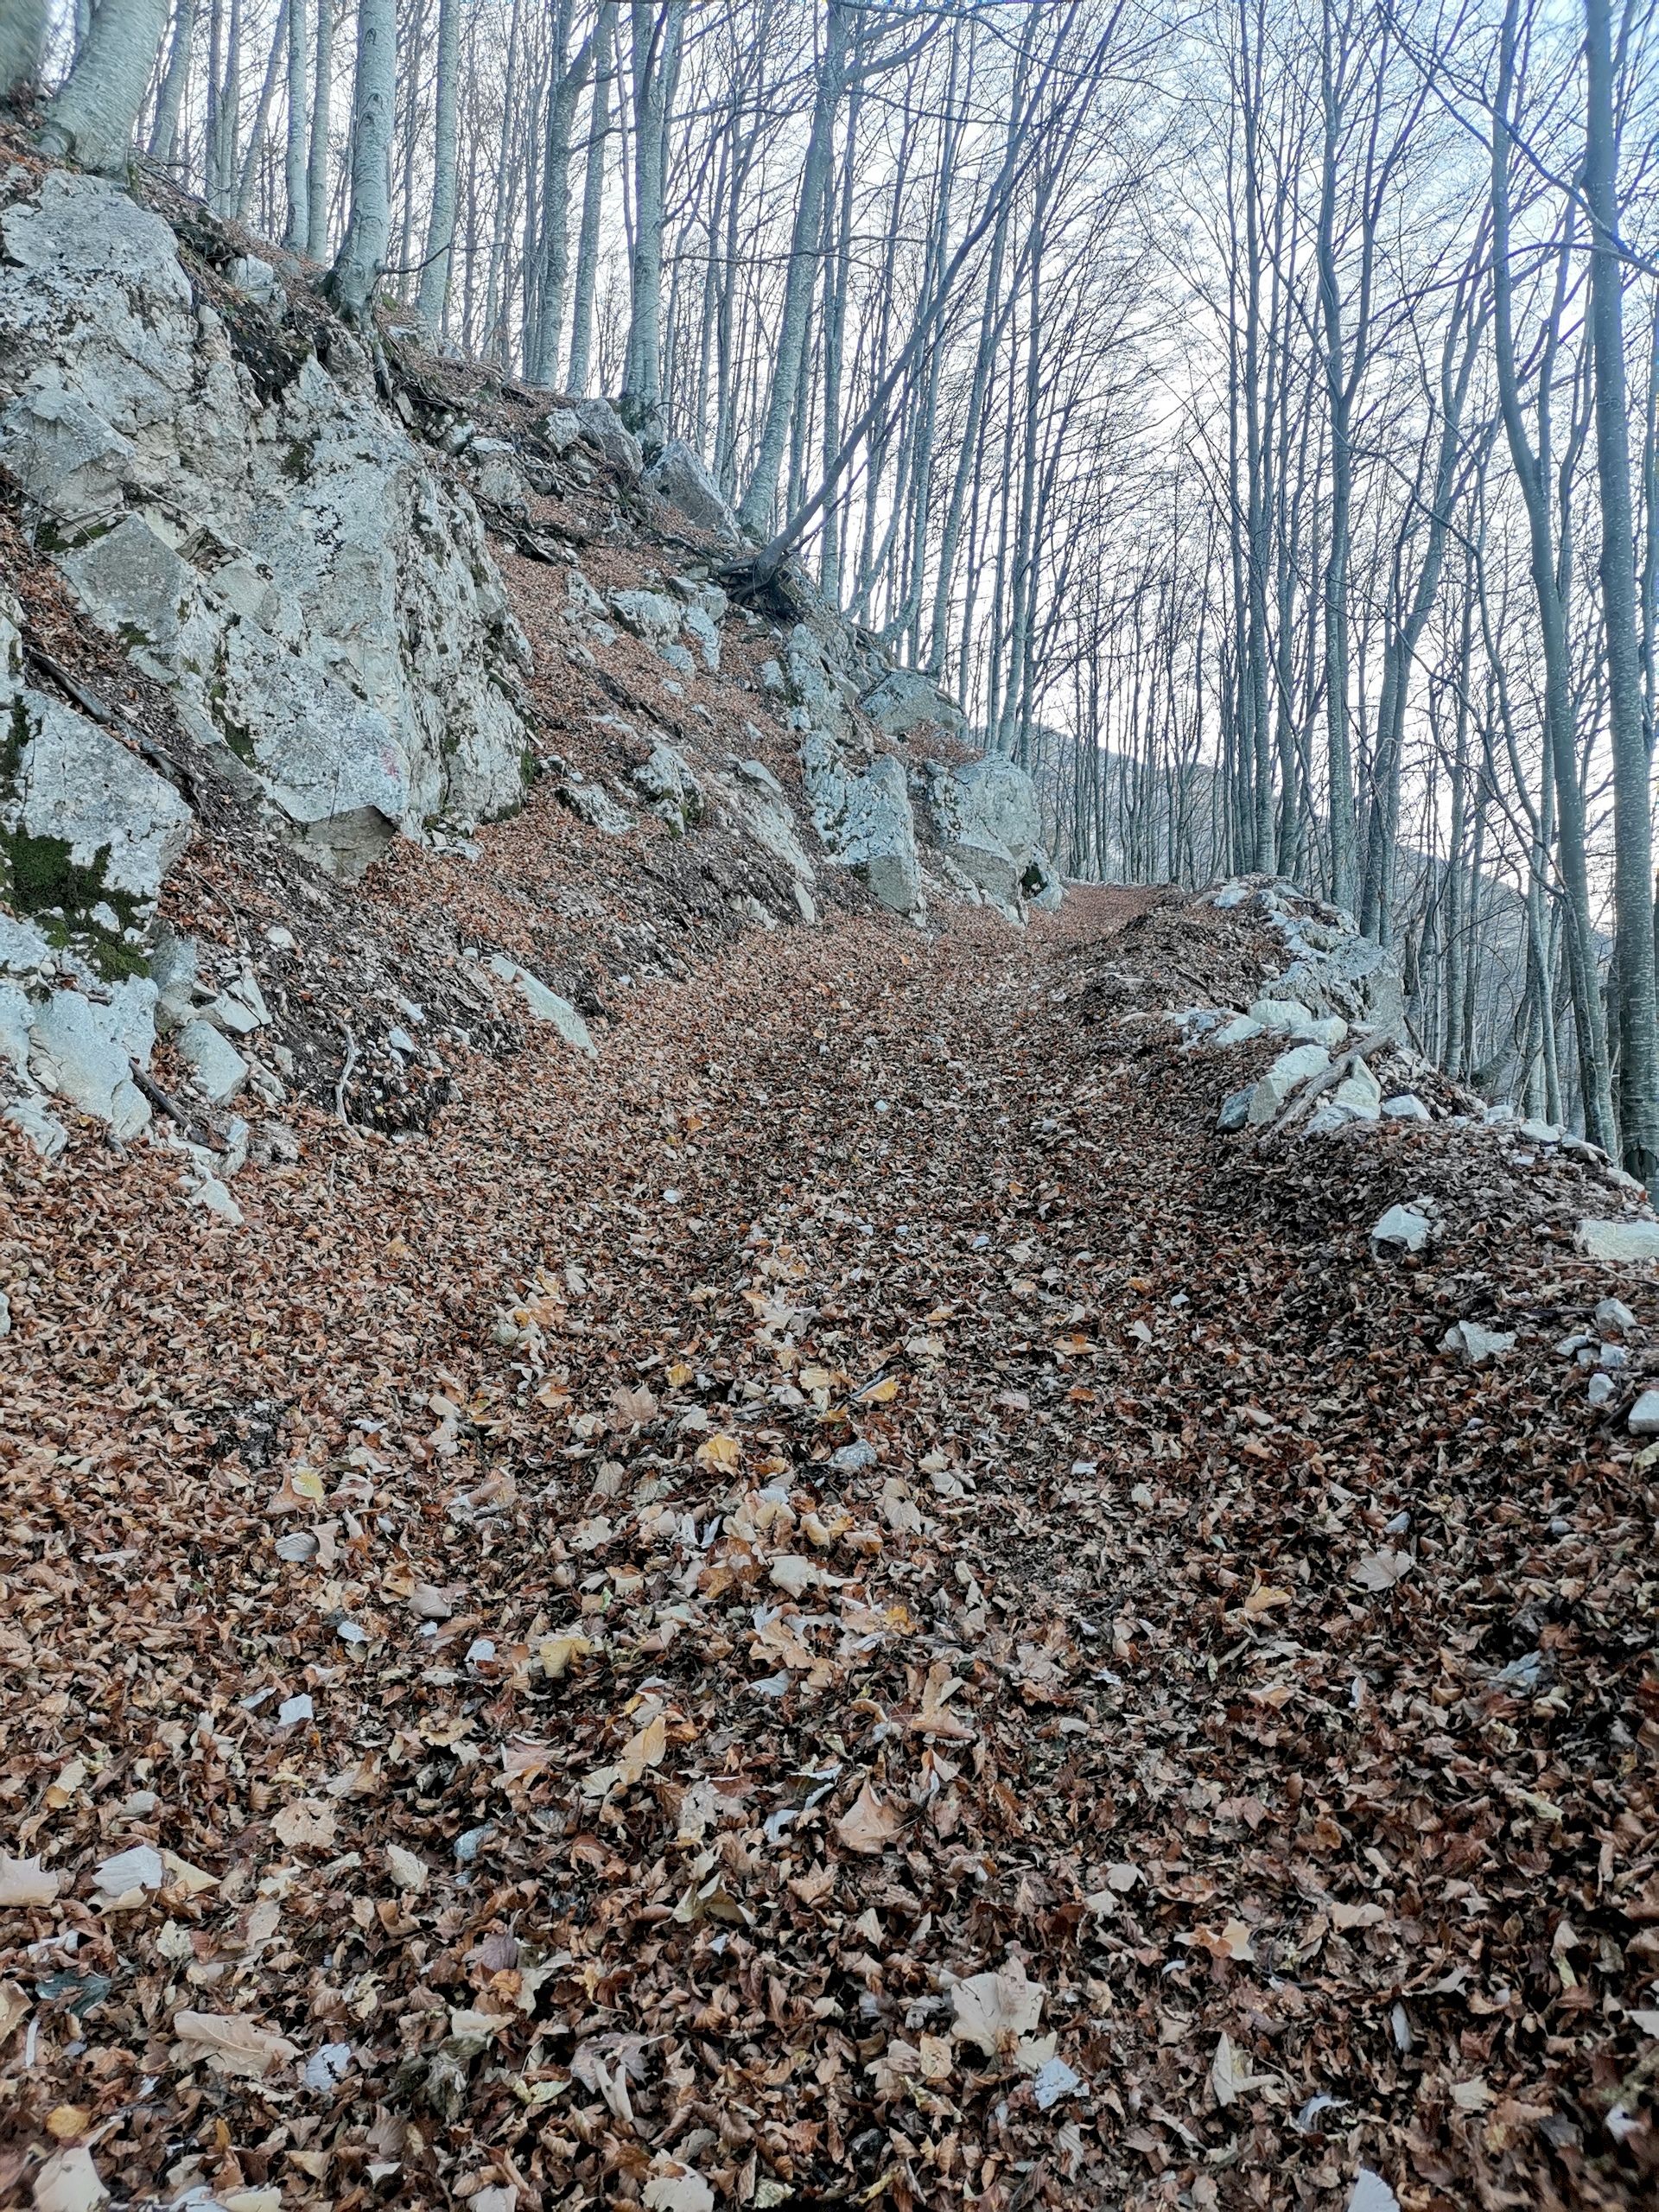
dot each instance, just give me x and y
(255, 528)
(301, 553)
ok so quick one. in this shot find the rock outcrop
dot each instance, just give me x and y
(271, 546)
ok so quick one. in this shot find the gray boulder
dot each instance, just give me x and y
(678, 476)
(876, 838)
(603, 428)
(648, 614)
(83, 821)
(1402, 1227)
(1286, 1076)
(670, 788)
(906, 699)
(698, 627)
(83, 1049)
(991, 828)
(1624, 1241)
(216, 1069)
(545, 1005)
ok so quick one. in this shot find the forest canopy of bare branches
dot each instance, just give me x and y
(1252, 411)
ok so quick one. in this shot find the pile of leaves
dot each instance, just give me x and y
(844, 1606)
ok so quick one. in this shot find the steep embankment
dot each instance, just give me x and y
(583, 1637)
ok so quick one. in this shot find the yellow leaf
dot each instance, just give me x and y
(643, 1751)
(67, 2121)
(679, 1373)
(308, 1483)
(880, 1394)
(1264, 1598)
(719, 1451)
(557, 1652)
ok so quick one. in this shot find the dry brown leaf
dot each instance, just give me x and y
(868, 1825)
(233, 2044)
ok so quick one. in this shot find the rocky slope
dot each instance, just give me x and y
(359, 600)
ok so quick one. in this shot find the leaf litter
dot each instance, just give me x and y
(976, 1658)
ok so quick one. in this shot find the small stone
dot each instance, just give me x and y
(1240, 1030)
(1541, 1132)
(1645, 1415)
(44, 1131)
(1602, 1387)
(545, 1005)
(1234, 1109)
(1280, 1014)
(1474, 1344)
(1614, 1318)
(216, 1069)
(1405, 1106)
(210, 1195)
(1404, 1226)
(852, 1458)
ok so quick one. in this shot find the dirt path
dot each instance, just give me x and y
(855, 1493)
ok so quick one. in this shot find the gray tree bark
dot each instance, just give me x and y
(91, 117)
(434, 290)
(1633, 965)
(316, 169)
(356, 271)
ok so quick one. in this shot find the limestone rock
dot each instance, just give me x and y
(83, 1050)
(648, 615)
(603, 428)
(667, 780)
(217, 1070)
(497, 477)
(1403, 1226)
(1620, 1241)
(319, 601)
(698, 626)
(990, 826)
(1643, 1419)
(1286, 1076)
(905, 699)
(678, 476)
(1234, 1109)
(44, 1131)
(876, 837)
(545, 1005)
(1359, 1094)
(1474, 1344)
(1405, 1106)
(82, 819)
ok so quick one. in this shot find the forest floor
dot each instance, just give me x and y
(844, 1604)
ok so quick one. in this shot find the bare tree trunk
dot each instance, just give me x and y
(1633, 965)
(434, 292)
(356, 271)
(256, 152)
(23, 43)
(164, 132)
(657, 32)
(316, 175)
(761, 496)
(92, 116)
(592, 197)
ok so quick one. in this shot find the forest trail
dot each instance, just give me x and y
(583, 1629)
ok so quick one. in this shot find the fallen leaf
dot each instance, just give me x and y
(68, 2182)
(998, 2009)
(1382, 1570)
(407, 1871)
(25, 1881)
(233, 2044)
(867, 1825)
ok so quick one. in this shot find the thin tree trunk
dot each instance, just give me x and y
(434, 293)
(316, 176)
(356, 268)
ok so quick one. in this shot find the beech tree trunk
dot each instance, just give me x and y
(91, 117)
(357, 269)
